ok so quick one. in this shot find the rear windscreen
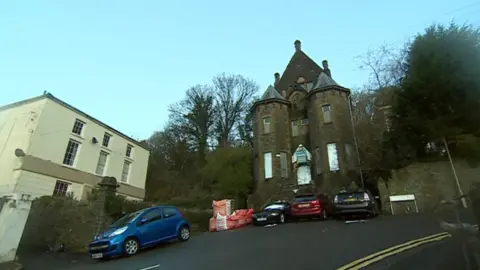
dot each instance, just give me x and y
(345, 196)
(275, 207)
(307, 198)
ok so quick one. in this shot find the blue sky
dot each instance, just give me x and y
(124, 62)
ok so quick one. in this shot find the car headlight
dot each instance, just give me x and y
(118, 231)
(275, 214)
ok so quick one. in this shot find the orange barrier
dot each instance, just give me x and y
(232, 222)
(213, 224)
(222, 207)
(222, 220)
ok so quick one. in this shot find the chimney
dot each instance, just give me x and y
(277, 78)
(326, 69)
(298, 45)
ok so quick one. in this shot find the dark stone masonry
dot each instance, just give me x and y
(304, 106)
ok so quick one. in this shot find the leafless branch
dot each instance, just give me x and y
(233, 96)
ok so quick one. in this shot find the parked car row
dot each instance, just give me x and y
(150, 226)
(346, 203)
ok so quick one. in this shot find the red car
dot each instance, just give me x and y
(311, 206)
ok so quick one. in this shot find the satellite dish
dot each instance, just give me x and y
(19, 152)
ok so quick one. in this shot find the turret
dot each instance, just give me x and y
(331, 134)
(272, 137)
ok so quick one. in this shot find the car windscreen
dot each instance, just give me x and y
(274, 207)
(345, 196)
(305, 198)
(126, 219)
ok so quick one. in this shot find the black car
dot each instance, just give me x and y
(357, 202)
(274, 213)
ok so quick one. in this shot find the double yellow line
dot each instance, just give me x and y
(375, 257)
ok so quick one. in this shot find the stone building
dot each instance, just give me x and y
(305, 106)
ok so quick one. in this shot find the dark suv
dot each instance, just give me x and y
(357, 202)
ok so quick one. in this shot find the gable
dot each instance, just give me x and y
(300, 65)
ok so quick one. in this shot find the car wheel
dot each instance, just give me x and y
(282, 218)
(184, 233)
(375, 211)
(131, 246)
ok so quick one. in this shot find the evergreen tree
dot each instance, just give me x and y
(440, 94)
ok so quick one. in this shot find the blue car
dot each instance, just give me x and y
(138, 230)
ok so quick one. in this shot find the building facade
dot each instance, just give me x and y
(48, 147)
(305, 107)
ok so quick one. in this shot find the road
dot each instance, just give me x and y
(304, 245)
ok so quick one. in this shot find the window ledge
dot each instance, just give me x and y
(77, 136)
(69, 166)
(106, 149)
(129, 159)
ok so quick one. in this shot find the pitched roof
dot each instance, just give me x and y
(271, 93)
(300, 65)
(324, 80)
(70, 107)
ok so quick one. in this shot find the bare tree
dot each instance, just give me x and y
(369, 124)
(386, 66)
(234, 94)
(194, 117)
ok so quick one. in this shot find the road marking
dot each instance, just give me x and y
(361, 266)
(150, 267)
(380, 255)
(355, 221)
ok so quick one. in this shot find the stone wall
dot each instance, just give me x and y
(338, 131)
(429, 182)
(277, 140)
(13, 216)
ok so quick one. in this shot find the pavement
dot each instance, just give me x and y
(303, 245)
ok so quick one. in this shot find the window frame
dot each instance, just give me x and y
(294, 126)
(333, 161)
(268, 166)
(63, 188)
(129, 151)
(327, 114)
(125, 176)
(267, 124)
(73, 155)
(106, 139)
(80, 127)
(106, 154)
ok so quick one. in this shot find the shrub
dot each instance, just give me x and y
(58, 220)
(63, 220)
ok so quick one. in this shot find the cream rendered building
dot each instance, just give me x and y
(65, 151)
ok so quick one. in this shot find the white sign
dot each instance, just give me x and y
(295, 190)
(402, 198)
